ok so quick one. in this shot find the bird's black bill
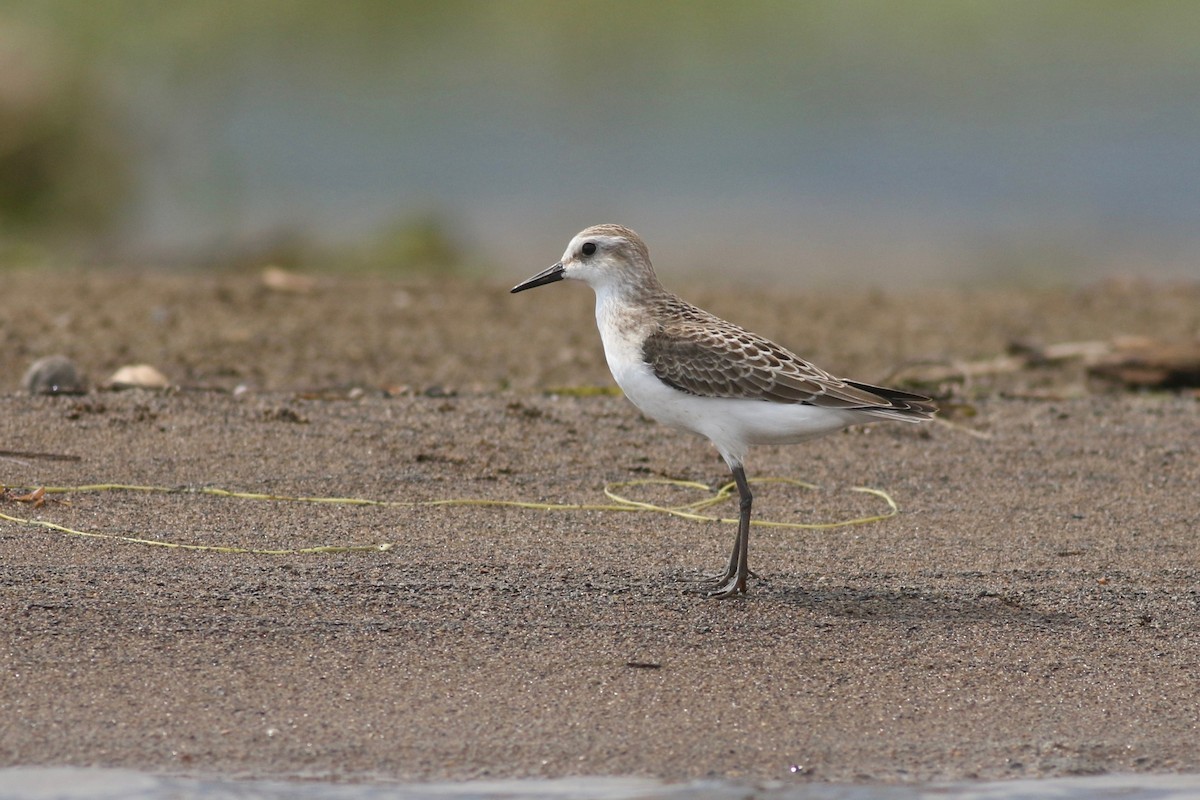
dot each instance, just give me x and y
(551, 275)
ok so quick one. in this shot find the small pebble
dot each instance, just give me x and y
(54, 375)
(138, 376)
(280, 280)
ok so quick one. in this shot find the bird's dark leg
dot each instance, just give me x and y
(733, 580)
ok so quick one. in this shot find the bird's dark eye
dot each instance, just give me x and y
(588, 248)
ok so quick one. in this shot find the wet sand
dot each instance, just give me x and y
(1033, 610)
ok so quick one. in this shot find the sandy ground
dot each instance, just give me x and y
(1033, 610)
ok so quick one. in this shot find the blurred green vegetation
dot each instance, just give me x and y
(64, 171)
(407, 244)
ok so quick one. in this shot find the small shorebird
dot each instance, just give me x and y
(694, 371)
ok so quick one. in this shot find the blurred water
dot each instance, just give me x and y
(824, 141)
(69, 783)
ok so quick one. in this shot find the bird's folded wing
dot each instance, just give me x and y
(727, 361)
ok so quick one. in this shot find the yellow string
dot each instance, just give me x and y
(620, 504)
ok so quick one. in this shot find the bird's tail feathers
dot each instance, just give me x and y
(902, 406)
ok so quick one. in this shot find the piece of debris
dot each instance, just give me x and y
(1034, 354)
(1150, 364)
(278, 279)
(1135, 361)
(15, 454)
(54, 375)
(36, 498)
(138, 376)
(284, 414)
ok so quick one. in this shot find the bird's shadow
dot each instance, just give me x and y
(916, 605)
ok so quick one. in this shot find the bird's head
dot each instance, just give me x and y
(605, 257)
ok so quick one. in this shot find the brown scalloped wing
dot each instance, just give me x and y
(703, 355)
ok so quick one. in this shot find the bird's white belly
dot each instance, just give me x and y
(732, 424)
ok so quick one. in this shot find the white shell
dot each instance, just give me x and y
(142, 376)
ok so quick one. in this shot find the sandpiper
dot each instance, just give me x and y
(694, 371)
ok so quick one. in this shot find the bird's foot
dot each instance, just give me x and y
(731, 588)
(719, 586)
(718, 579)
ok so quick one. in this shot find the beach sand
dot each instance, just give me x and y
(1033, 610)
